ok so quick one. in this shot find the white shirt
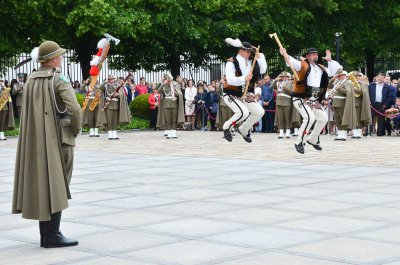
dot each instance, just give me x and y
(190, 93)
(378, 92)
(314, 78)
(245, 67)
(257, 90)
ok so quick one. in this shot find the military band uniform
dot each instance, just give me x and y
(283, 105)
(247, 110)
(6, 117)
(116, 114)
(171, 110)
(89, 118)
(363, 109)
(224, 112)
(344, 107)
(51, 119)
(17, 92)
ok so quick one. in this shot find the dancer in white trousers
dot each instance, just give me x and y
(238, 72)
(308, 92)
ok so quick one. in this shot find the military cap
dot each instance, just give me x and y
(285, 74)
(340, 72)
(49, 50)
(168, 76)
(21, 75)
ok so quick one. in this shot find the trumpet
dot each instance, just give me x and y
(355, 83)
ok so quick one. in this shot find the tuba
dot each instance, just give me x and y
(5, 97)
(353, 80)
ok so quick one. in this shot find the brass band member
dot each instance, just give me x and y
(117, 113)
(310, 89)
(363, 104)
(6, 111)
(18, 90)
(90, 117)
(238, 72)
(51, 119)
(170, 113)
(343, 104)
(284, 89)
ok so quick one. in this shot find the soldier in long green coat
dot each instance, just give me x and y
(171, 110)
(50, 120)
(117, 113)
(362, 104)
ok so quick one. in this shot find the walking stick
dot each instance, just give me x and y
(251, 71)
(280, 46)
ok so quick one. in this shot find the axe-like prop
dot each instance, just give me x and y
(109, 37)
(273, 35)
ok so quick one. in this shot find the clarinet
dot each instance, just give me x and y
(116, 93)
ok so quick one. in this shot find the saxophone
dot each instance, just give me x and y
(353, 80)
(5, 97)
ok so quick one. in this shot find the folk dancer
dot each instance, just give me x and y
(50, 121)
(308, 92)
(283, 117)
(18, 90)
(90, 117)
(238, 73)
(363, 106)
(117, 113)
(343, 104)
(6, 111)
(171, 110)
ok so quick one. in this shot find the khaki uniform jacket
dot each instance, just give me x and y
(179, 95)
(10, 118)
(124, 113)
(365, 118)
(224, 112)
(349, 120)
(286, 89)
(41, 184)
(17, 91)
(85, 117)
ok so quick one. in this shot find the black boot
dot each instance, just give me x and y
(50, 235)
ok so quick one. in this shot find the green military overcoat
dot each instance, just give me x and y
(42, 170)
(181, 110)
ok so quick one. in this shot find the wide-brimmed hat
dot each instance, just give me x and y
(285, 74)
(168, 76)
(46, 51)
(357, 73)
(247, 46)
(111, 77)
(340, 72)
(309, 51)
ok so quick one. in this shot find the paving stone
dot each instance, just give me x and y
(188, 253)
(193, 227)
(216, 202)
(265, 237)
(278, 259)
(119, 241)
(350, 250)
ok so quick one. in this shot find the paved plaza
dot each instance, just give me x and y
(199, 200)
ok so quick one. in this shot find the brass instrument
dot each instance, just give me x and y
(95, 101)
(353, 80)
(5, 97)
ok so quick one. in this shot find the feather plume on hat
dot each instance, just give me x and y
(35, 54)
(234, 42)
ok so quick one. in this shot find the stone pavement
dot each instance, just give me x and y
(145, 200)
